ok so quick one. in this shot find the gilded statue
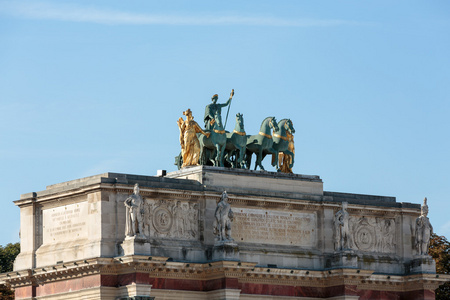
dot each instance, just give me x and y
(424, 230)
(190, 146)
(134, 214)
(285, 160)
(215, 108)
(223, 218)
(281, 142)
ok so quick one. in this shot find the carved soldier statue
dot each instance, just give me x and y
(223, 218)
(190, 146)
(341, 229)
(424, 230)
(213, 108)
(134, 214)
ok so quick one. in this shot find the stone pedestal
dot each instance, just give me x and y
(135, 246)
(135, 292)
(225, 251)
(344, 259)
(423, 264)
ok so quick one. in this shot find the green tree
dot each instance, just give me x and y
(440, 251)
(7, 256)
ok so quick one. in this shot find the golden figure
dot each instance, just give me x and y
(285, 160)
(190, 146)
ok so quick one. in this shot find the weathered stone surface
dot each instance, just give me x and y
(275, 227)
(281, 241)
(252, 182)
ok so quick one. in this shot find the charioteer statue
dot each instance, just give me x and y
(216, 108)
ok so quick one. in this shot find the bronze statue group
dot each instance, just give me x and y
(216, 147)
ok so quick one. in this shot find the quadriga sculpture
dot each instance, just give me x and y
(215, 143)
(236, 142)
(281, 141)
(262, 143)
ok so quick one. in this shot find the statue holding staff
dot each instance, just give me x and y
(211, 109)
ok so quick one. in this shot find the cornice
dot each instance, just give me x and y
(160, 267)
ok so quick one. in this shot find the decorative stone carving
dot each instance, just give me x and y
(223, 218)
(364, 235)
(424, 230)
(134, 214)
(341, 229)
(173, 219)
(162, 219)
(192, 218)
(385, 234)
(179, 220)
(370, 234)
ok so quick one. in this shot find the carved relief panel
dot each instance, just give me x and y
(171, 219)
(372, 234)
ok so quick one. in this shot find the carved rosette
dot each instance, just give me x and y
(162, 219)
(364, 237)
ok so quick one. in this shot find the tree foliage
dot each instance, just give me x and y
(440, 251)
(7, 256)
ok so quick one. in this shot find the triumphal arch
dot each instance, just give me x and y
(215, 229)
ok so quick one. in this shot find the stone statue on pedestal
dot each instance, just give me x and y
(341, 229)
(424, 230)
(223, 218)
(134, 214)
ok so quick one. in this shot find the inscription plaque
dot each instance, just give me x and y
(274, 227)
(65, 223)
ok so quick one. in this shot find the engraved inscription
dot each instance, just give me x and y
(64, 223)
(275, 227)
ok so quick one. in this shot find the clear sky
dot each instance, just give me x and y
(88, 87)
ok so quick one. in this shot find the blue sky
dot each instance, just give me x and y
(90, 87)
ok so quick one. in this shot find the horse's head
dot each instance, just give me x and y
(240, 121)
(273, 124)
(289, 126)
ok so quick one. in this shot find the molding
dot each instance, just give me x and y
(159, 267)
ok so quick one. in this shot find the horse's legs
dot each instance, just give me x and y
(212, 156)
(239, 157)
(259, 159)
(229, 158)
(221, 150)
(274, 158)
(248, 159)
